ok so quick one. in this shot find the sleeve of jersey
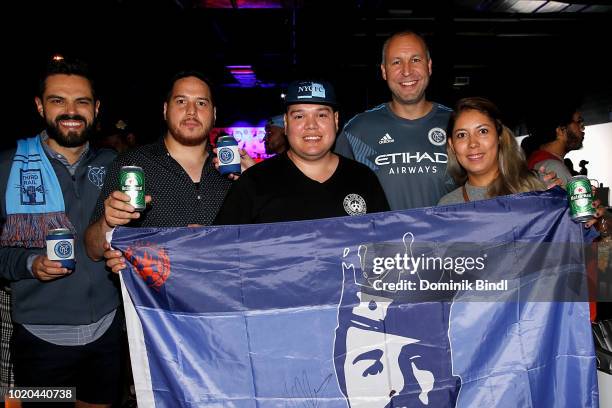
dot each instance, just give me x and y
(111, 183)
(238, 205)
(343, 146)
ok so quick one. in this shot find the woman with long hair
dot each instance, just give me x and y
(483, 155)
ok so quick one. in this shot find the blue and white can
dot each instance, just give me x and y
(228, 154)
(60, 247)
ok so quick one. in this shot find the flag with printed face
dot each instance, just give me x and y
(478, 304)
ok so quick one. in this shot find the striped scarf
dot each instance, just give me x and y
(34, 201)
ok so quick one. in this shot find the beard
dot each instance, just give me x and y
(190, 140)
(574, 140)
(70, 138)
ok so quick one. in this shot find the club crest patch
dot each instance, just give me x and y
(354, 204)
(96, 175)
(226, 155)
(32, 187)
(437, 136)
(151, 262)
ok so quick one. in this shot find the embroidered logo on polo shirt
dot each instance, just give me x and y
(386, 139)
(437, 136)
(354, 204)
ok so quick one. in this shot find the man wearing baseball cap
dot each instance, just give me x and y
(275, 140)
(308, 181)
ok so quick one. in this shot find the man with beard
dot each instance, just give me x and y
(403, 141)
(67, 332)
(555, 130)
(182, 185)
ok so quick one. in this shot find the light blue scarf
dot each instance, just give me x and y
(34, 200)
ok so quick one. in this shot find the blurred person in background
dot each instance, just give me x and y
(119, 137)
(275, 140)
(554, 130)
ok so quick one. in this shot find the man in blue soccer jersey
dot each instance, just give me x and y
(403, 141)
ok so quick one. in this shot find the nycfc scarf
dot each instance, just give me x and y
(34, 202)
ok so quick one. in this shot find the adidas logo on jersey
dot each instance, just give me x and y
(386, 139)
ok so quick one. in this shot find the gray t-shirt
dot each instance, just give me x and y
(557, 166)
(456, 196)
(408, 156)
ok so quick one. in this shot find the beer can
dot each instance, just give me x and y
(132, 183)
(60, 247)
(580, 196)
(228, 154)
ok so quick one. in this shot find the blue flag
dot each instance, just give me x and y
(471, 305)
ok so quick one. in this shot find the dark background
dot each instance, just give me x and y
(520, 60)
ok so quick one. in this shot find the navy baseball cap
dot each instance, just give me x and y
(315, 92)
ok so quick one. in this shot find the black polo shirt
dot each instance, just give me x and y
(177, 200)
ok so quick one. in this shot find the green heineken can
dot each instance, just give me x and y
(132, 183)
(580, 198)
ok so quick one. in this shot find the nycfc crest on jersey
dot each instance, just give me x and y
(437, 136)
(354, 204)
